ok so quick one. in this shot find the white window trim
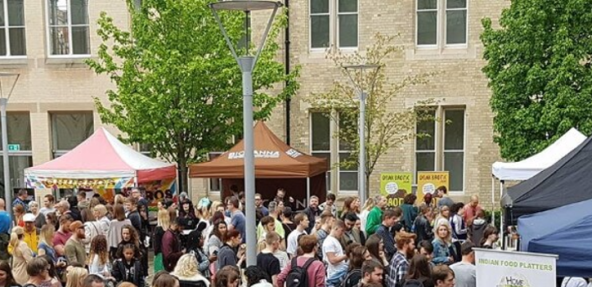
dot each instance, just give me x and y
(439, 134)
(441, 27)
(70, 54)
(337, 32)
(333, 27)
(7, 32)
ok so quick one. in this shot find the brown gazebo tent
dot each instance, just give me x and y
(276, 165)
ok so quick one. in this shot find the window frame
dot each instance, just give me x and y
(60, 152)
(333, 27)
(69, 25)
(337, 31)
(7, 28)
(330, 172)
(441, 25)
(310, 15)
(211, 156)
(439, 145)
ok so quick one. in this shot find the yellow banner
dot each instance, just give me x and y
(395, 185)
(429, 181)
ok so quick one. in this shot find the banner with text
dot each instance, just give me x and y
(395, 185)
(498, 268)
(429, 181)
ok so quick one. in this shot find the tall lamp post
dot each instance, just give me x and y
(353, 71)
(5, 92)
(247, 64)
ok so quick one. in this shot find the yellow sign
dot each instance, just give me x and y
(429, 181)
(395, 186)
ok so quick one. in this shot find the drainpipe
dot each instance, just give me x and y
(287, 66)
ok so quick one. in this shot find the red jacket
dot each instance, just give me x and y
(171, 250)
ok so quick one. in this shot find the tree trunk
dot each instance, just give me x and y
(182, 175)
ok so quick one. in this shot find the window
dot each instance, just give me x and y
(12, 28)
(215, 183)
(440, 145)
(20, 155)
(69, 32)
(69, 130)
(441, 23)
(333, 22)
(321, 139)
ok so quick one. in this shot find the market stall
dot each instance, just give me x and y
(277, 165)
(100, 163)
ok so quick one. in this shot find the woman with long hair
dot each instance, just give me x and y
(19, 212)
(216, 216)
(442, 244)
(195, 245)
(228, 276)
(163, 279)
(216, 239)
(53, 272)
(368, 205)
(98, 257)
(162, 225)
(490, 237)
(52, 219)
(38, 271)
(187, 272)
(187, 215)
(351, 203)
(375, 246)
(419, 270)
(442, 218)
(45, 246)
(75, 276)
(115, 227)
(129, 235)
(6, 278)
(21, 255)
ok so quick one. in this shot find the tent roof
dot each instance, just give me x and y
(567, 234)
(273, 159)
(104, 156)
(529, 167)
(565, 182)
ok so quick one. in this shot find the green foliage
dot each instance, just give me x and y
(178, 86)
(539, 72)
(386, 127)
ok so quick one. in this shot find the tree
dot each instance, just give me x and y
(178, 86)
(386, 127)
(538, 65)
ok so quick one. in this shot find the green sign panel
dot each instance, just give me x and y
(14, 147)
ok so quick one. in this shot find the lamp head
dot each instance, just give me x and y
(245, 5)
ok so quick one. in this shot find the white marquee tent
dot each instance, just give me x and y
(529, 167)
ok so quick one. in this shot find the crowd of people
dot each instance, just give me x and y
(81, 242)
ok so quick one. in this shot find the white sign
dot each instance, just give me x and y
(293, 153)
(497, 268)
(258, 154)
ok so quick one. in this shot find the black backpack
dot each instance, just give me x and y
(297, 275)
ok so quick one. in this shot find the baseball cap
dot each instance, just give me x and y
(29, 217)
(75, 225)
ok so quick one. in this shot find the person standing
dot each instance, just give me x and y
(443, 276)
(445, 200)
(327, 220)
(21, 255)
(62, 235)
(259, 205)
(31, 232)
(48, 204)
(171, 246)
(388, 220)
(334, 255)
(281, 197)
(4, 234)
(375, 216)
(372, 273)
(266, 259)
(315, 269)
(237, 218)
(301, 221)
(410, 211)
(227, 256)
(472, 209)
(399, 263)
(329, 204)
(457, 223)
(423, 228)
(275, 210)
(465, 271)
(312, 211)
(115, 227)
(21, 199)
(442, 244)
(75, 250)
(162, 225)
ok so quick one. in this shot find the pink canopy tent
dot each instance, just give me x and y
(102, 156)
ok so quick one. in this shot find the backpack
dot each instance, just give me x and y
(297, 275)
(412, 283)
(345, 282)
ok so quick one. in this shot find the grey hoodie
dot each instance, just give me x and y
(476, 231)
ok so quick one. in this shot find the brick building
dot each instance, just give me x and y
(54, 94)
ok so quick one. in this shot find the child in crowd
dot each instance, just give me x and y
(129, 268)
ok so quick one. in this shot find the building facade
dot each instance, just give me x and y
(51, 109)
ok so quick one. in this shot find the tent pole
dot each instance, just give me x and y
(493, 198)
(501, 214)
(307, 190)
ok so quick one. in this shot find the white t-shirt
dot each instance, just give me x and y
(573, 282)
(331, 244)
(292, 247)
(465, 274)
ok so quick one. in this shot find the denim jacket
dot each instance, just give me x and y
(441, 251)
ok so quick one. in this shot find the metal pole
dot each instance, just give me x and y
(246, 64)
(362, 152)
(7, 190)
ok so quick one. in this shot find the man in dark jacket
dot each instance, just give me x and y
(422, 226)
(389, 218)
(312, 211)
(171, 247)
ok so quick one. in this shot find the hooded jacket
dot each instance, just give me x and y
(476, 231)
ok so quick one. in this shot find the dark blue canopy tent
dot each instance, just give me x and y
(565, 231)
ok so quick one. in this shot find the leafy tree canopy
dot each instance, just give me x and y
(538, 65)
(178, 87)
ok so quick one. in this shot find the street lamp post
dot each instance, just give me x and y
(247, 64)
(4, 96)
(352, 71)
